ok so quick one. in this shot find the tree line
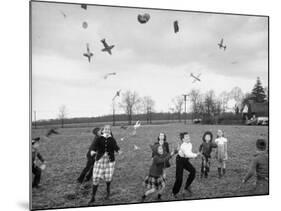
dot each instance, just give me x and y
(206, 106)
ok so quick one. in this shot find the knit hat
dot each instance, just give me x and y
(261, 144)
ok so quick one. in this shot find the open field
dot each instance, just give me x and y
(66, 157)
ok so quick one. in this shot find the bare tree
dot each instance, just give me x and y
(209, 102)
(129, 103)
(224, 98)
(178, 105)
(195, 98)
(62, 114)
(237, 94)
(148, 107)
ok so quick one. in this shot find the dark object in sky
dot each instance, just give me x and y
(88, 54)
(64, 15)
(234, 62)
(117, 94)
(221, 45)
(108, 74)
(143, 18)
(52, 131)
(176, 26)
(196, 78)
(107, 47)
(85, 25)
(84, 6)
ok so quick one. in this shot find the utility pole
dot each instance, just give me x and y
(113, 114)
(113, 106)
(34, 119)
(185, 95)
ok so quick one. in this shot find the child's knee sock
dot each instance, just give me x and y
(108, 187)
(94, 190)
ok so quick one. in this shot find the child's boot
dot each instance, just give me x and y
(219, 171)
(143, 197)
(95, 187)
(159, 197)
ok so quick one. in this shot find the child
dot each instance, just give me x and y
(162, 141)
(259, 165)
(182, 162)
(206, 149)
(221, 143)
(90, 159)
(105, 146)
(36, 170)
(155, 180)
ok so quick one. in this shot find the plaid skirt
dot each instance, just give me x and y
(103, 169)
(154, 182)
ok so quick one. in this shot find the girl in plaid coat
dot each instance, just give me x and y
(105, 146)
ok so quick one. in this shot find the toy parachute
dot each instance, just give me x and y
(176, 26)
(143, 18)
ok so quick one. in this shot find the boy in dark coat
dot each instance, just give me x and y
(36, 170)
(259, 166)
(90, 159)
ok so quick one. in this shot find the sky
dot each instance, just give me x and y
(148, 58)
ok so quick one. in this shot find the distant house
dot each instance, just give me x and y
(254, 109)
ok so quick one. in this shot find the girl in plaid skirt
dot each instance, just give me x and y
(105, 147)
(155, 180)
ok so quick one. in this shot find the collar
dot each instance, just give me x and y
(106, 136)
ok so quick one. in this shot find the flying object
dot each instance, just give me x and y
(138, 124)
(176, 26)
(107, 47)
(221, 45)
(84, 6)
(85, 25)
(52, 131)
(64, 15)
(136, 147)
(196, 78)
(108, 74)
(89, 54)
(143, 18)
(117, 94)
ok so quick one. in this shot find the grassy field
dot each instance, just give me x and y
(66, 157)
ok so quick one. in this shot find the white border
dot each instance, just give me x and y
(15, 102)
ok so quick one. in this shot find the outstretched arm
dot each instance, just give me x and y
(251, 171)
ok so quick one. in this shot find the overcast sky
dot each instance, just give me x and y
(148, 58)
